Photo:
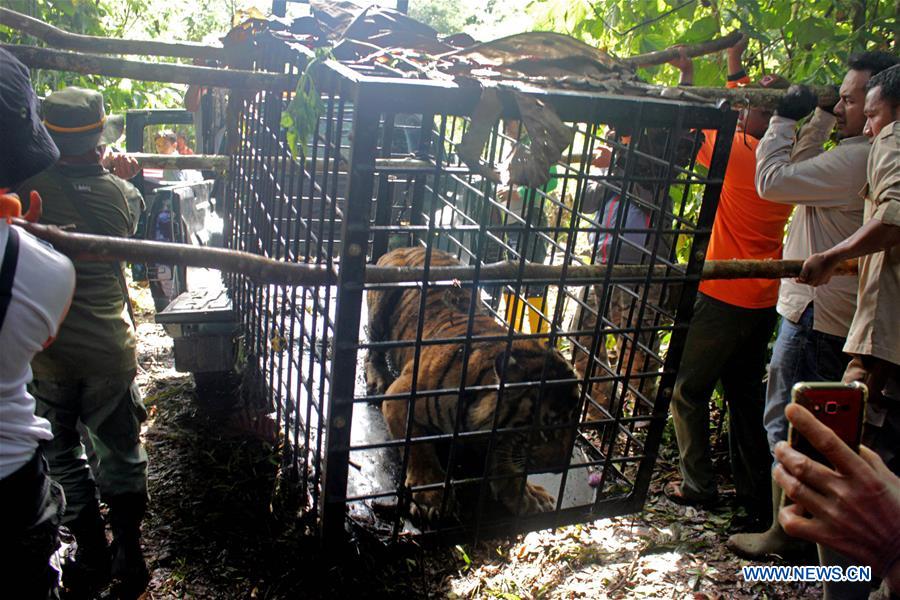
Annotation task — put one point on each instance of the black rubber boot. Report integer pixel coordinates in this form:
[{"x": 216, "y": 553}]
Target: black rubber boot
[
  {"x": 86, "y": 571},
  {"x": 129, "y": 570}
]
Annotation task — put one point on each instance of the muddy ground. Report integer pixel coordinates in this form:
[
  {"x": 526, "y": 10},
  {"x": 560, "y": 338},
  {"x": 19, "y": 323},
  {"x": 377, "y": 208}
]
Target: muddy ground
[{"x": 215, "y": 530}]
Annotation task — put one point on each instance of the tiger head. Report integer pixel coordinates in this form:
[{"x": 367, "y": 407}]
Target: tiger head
[{"x": 550, "y": 414}]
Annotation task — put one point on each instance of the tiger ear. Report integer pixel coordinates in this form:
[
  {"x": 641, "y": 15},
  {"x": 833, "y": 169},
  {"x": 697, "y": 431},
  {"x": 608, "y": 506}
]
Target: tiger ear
[
  {"x": 558, "y": 358},
  {"x": 512, "y": 366}
]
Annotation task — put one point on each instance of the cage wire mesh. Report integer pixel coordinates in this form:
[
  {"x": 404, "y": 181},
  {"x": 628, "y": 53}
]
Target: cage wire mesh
[{"x": 457, "y": 408}]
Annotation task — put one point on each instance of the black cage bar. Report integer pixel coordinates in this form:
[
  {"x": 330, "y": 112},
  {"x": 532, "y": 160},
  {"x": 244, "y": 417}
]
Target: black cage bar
[{"x": 437, "y": 408}]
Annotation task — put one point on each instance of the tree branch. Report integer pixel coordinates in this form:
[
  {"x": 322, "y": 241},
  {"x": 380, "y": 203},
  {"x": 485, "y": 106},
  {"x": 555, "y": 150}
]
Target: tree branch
[
  {"x": 691, "y": 50},
  {"x": 95, "y": 64},
  {"x": 88, "y": 43},
  {"x": 80, "y": 246}
]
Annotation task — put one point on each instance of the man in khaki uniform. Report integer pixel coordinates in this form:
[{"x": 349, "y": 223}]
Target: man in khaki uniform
[
  {"x": 88, "y": 374},
  {"x": 793, "y": 169},
  {"x": 873, "y": 341}
]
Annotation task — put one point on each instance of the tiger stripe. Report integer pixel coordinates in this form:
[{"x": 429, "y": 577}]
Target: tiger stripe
[{"x": 394, "y": 315}]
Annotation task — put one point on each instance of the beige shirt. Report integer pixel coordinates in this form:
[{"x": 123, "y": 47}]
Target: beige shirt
[
  {"x": 825, "y": 187},
  {"x": 876, "y": 325}
]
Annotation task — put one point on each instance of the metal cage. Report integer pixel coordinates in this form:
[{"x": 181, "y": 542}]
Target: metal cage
[{"x": 380, "y": 172}]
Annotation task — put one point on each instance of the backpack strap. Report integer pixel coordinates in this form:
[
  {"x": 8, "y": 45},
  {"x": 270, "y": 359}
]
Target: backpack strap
[{"x": 8, "y": 272}]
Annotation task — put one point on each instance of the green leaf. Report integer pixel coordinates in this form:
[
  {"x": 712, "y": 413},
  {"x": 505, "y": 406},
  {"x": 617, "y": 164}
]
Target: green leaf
[
  {"x": 810, "y": 31},
  {"x": 707, "y": 73},
  {"x": 464, "y": 555},
  {"x": 701, "y": 30},
  {"x": 301, "y": 116},
  {"x": 651, "y": 42}
]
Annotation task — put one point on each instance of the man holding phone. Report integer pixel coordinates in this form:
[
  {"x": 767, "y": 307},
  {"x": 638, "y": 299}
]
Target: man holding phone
[
  {"x": 873, "y": 342},
  {"x": 853, "y": 507}
]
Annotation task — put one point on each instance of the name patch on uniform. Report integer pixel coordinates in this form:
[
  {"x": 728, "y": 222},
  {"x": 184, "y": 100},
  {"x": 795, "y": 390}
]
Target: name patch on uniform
[{"x": 82, "y": 187}]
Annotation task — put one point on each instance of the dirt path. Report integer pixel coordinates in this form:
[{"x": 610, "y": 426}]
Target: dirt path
[{"x": 213, "y": 531}]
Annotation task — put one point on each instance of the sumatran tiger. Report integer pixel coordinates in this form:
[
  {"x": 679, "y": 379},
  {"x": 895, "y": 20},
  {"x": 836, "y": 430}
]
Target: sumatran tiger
[{"x": 550, "y": 413}]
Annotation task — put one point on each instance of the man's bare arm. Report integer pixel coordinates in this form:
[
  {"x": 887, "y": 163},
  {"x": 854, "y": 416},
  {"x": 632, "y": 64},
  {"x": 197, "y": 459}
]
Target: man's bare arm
[{"x": 874, "y": 236}]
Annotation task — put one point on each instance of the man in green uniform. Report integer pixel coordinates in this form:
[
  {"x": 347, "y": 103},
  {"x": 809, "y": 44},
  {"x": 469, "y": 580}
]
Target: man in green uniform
[{"x": 88, "y": 374}]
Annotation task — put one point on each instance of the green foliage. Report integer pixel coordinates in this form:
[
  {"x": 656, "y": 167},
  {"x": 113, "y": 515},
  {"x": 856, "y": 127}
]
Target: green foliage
[
  {"x": 445, "y": 17},
  {"x": 464, "y": 556},
  {"x": 483, "y": 19},
  {"x": 302, "y": 113},
  {"x": 803, "y": 41},
  {"x": 134, "y": 19}
]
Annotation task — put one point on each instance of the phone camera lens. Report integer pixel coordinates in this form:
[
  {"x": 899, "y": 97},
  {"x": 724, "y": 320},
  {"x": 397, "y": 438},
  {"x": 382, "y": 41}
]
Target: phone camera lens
[{"x": 831, "y": 408}]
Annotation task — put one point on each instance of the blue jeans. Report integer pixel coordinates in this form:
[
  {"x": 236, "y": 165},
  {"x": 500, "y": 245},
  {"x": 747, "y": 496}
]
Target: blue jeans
[{"x": 800, "y": 354}]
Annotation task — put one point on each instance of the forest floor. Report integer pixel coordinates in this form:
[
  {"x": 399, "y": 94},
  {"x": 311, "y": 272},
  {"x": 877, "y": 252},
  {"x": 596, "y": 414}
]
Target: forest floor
[{"x": 215, "y": 530}]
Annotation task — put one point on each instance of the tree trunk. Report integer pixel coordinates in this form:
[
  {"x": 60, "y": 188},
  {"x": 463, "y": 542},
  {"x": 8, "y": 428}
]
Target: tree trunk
[{"x": 858, "y": 14}]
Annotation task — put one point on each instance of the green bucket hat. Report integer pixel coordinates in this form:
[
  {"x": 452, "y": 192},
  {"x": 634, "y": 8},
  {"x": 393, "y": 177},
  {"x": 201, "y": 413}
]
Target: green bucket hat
[{"x": 77, "y": 121}]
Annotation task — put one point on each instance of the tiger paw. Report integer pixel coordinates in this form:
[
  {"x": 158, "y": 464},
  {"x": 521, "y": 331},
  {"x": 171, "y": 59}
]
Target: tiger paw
[
  {"x": 426, "y": 506},
  {"x": 376, "y": 384},
  {"x": 374, "y": 387},
  {"x": 536, "y": 499}
]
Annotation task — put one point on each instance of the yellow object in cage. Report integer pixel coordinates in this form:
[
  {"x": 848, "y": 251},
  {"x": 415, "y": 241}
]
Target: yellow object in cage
[{"x": 533, "y": 306}]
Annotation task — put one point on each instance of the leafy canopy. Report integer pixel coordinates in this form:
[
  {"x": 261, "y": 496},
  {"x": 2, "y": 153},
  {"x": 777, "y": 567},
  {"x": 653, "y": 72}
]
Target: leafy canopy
[
  {"x": 134, "y": 19},
  {"x": 806, "y": 41}
]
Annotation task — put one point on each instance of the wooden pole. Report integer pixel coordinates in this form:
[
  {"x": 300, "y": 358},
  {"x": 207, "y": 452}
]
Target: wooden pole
[
  {"x": 88, "y": 43},
  {"x": 95, "y": 64},
  {"x": 80, "y": 246},
  {"x": 101, "y": 248},
  {"x": 691, "y": 50},
  {"x": 751, "y": 96},
  {"x": 215, "y": 162},
  {"x": 509, "y": 270}
]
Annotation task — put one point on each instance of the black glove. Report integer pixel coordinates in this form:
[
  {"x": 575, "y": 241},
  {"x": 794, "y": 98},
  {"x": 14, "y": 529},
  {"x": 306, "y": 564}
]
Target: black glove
[
  {"x": 797, "y": 102},
  {"x": 829, "y": 101}
]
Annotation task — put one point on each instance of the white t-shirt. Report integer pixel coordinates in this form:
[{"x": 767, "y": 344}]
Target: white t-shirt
[{"x": 41, "y": 294}]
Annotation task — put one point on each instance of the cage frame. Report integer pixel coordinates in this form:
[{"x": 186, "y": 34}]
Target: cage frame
[{"x": 369, "y": 94}]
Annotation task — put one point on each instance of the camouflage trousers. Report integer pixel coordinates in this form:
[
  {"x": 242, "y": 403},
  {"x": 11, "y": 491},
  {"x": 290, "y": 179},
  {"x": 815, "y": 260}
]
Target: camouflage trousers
[
  {"x": 635, "y": 329},
  {"x": 111, "y": 410}
]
